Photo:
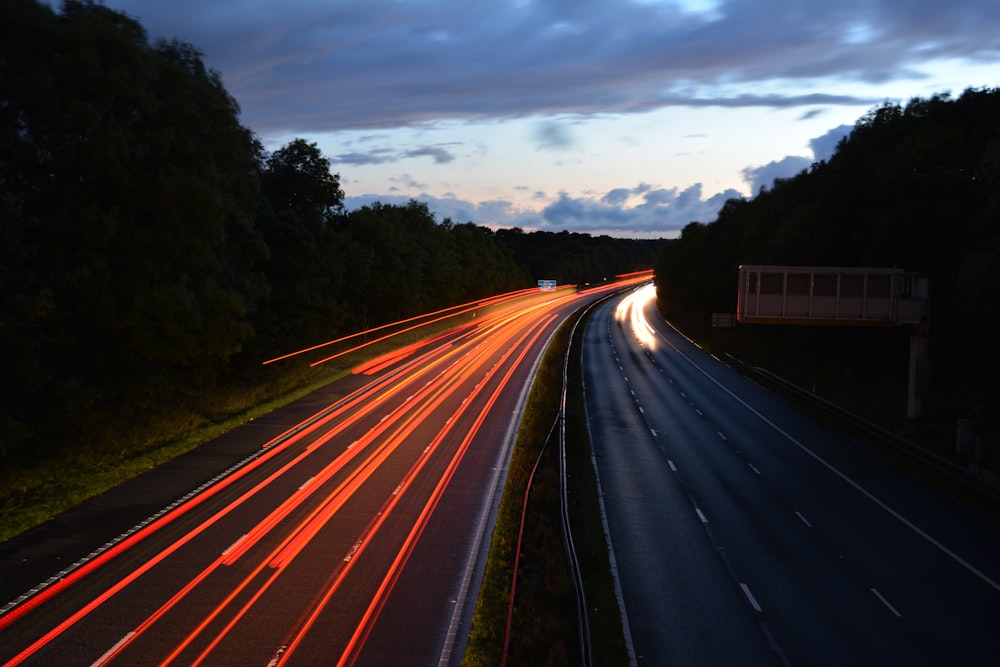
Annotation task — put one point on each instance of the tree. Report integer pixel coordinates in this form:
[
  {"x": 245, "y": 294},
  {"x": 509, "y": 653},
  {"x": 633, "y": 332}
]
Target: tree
[
  {"x": 297, "y": 180},
  {"x": 913, "y": 187},
  {"x": 298, "y": 214},
  {"x": 132, "y": 187}
]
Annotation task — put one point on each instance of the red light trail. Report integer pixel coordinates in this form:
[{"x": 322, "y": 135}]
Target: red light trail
[{"x": 364, "y": 476}]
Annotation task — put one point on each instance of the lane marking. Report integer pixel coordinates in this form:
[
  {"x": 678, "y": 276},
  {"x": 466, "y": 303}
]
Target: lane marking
[
  {"x": 114, "y": 649},
  {"x": 723, "y": 436},
  {"x": 803, "y": 519},
  {"x": 701, "y": 515},
  {"x": 886, "y": 603},
  {"x": 850, "y": 482},
  {"x": 750, "y": 597},
  {"x": 753, "y": 468},
  {"x": 671, "y": 464},
  {"x": 233, "y": 545}
]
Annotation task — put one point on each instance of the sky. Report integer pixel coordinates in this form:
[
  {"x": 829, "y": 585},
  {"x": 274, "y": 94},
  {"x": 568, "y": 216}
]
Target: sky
[{"x": 630, "y": 118}]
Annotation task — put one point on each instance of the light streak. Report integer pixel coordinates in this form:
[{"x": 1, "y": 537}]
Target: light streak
[
  {"x": 632, "y": 310},
  {"x": 364, "y": 627},
  {"x": 297, "y": 540},
  {"x": 460, "y": 309},
  {"x": 448, "y": 363}
]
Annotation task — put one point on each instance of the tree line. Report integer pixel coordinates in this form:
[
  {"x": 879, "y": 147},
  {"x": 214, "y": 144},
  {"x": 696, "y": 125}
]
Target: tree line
[
  {"x": 151, "y": 249},
  {"x": 914, "y": 186}
]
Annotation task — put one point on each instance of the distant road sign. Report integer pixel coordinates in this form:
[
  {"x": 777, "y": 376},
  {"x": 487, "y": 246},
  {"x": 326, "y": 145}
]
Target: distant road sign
[{"x": 546, "y": 285}]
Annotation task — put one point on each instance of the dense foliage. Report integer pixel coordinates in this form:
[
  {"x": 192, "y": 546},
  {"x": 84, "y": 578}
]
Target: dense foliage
[
  {"x": 576, "y": 258},
  {"x": 128, "y": 191},
  {"x": 915, "y": 187},
  {"x": 151, "y": 251}
]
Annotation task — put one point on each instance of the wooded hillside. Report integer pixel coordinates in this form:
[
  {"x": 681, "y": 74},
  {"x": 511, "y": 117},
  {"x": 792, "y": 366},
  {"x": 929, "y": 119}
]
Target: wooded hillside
[
  {"x": 915, "y": 187},
  {"x": 152, "y": 253}
]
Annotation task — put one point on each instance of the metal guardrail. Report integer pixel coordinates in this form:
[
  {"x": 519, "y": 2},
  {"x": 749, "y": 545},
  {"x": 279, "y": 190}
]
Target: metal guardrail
[
  {"x": 583, "y": 615},
  {"x": 583, "y": 618},
  {"x": 582, "y": 612},
  {"x": 520, "y": 538}
]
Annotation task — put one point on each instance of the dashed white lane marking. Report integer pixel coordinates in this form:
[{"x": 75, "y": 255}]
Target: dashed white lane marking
[
  {"x": 671, "y": 464},
  {"x": 886, "y": 603},
  {"x": 752, "y": 467},
  {"x": 803, "y": 519},
  {"x": 722, "y": 435},
  {"x": 838, "y": 473},
  {"x": 750, "y": 597},
  {"x": 701, "y": 515}
]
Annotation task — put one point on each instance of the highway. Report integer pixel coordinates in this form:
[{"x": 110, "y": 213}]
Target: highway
[
  {"x": 356, "y": 535},
  {"x": 745, "y": 533}
]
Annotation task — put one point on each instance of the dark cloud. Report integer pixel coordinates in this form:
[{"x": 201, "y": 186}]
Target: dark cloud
[
  {"x": 765, "y": 175},
  {"x": 617, "y": 197},
  {"x": 661, "y": 213},
  {"x": 374, "y": 156},
  {"x": 553, "y": 135},
  {"x": 301, "y": 67},
  {"x": 389, "y": 155},
  {"x": 310, "y": 66},
  {"x": 438, "y": 154},
  {"x": 822, "y": 147},
  {"x": 825, "y": 146}
]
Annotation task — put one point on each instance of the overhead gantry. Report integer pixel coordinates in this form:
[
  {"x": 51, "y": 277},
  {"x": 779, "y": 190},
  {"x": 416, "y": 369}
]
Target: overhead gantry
[{"x": 843, "y": 296}]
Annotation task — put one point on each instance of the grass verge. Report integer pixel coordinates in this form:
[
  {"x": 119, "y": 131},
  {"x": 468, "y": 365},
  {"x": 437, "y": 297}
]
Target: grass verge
[{"x": 113, "y": 448}]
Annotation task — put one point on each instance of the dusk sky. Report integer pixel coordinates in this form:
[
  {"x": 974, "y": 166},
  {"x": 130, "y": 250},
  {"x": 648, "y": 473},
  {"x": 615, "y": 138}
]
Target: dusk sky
[{"x": 623, "y": 117}]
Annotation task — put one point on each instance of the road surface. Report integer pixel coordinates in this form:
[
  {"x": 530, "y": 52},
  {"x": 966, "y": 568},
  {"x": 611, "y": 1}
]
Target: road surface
[
  {"x": 744, "y": 533},
  {"x": 353, "y": 534}
]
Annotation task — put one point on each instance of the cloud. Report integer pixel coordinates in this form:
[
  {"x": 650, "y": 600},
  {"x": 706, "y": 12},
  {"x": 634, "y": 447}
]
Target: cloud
[
  {"x": 376, "y": 156},
  {"x": 643, "y": 211},
  {"x": 765, "y": 175},
  {"x": 314, "y": 67},
  {"x": 553, "y": 135},
  {"x": 438, "y": 154},
  {"x": 617, "y": 197},
  {"x": 490, "y": 213},
  {"x": 309, "y": 66},
  {"x": 812, "y": 113},
  {"x": 407, "y": 182},
  {"x": 662, "y": 212},
  {"x": 822, "y": 147}
]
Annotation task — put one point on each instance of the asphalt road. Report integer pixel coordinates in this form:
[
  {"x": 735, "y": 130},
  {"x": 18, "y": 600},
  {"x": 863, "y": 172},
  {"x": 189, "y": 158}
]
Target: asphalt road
[
  {"x": 349, "y": 528},
  {"x": 744, "y": 533}
]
